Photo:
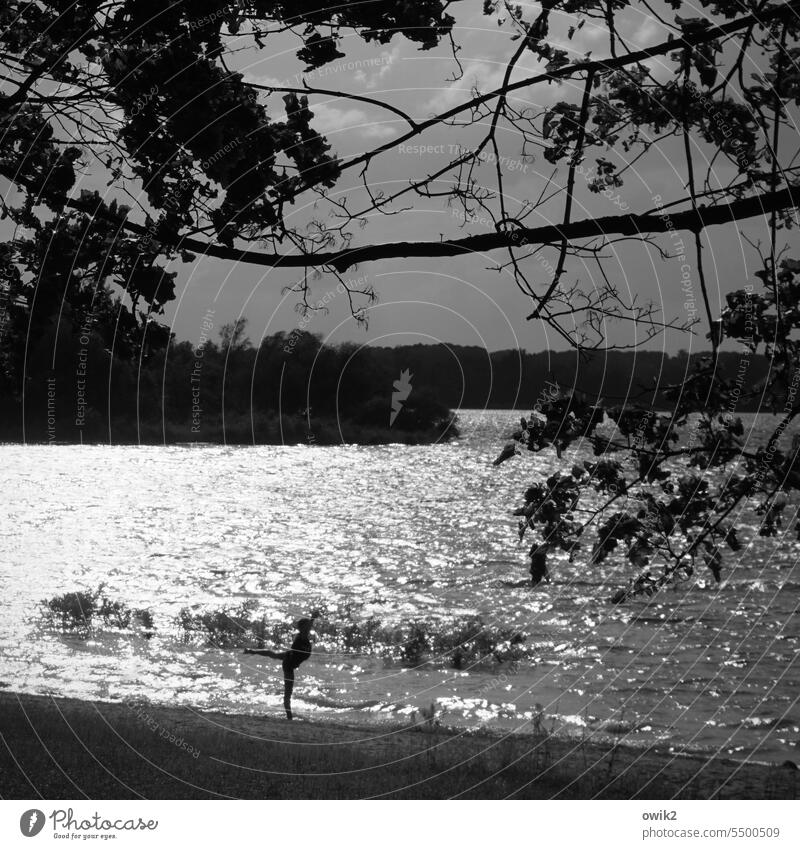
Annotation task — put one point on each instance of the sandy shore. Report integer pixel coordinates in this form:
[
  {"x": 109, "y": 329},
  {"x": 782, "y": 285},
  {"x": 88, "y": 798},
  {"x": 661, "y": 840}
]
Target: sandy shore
[{"x": 65, "y": 748}]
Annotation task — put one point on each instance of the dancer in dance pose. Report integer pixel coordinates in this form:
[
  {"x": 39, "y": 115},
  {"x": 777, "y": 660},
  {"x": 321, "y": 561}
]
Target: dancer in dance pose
[{"x": 290, "y": 660}]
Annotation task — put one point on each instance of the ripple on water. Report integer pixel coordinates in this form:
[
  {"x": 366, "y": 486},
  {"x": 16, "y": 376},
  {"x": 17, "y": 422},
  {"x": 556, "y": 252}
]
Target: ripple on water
[{"x": 401, "y": 533}]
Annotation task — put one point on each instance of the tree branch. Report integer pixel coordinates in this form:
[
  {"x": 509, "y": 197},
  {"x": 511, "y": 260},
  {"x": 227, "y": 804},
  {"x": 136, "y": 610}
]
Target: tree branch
[
  {"x": 693, "y": 220},
  {"x": 792, "y": 7},
  {"x": 573, "y": 164}
]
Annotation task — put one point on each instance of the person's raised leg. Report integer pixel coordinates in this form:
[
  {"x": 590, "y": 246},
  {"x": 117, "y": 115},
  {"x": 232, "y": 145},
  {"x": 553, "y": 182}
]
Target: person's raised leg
[{"x": 275, "y": 655}]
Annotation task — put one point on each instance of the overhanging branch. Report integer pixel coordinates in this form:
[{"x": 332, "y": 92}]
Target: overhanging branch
[
  {"x": 693, "y": 220},
  {"x": 611, "y": 225}
]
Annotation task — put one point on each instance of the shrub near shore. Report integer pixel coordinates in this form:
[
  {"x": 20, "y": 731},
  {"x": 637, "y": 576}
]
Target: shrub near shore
[{"x": 456, "y": 643}]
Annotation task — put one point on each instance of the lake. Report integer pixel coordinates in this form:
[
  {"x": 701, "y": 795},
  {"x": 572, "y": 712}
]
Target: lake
[{"x": 402, "y": 533}]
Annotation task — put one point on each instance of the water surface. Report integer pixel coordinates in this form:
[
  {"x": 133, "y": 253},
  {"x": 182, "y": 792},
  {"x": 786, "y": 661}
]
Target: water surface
[{"x": 401, "y": 533}]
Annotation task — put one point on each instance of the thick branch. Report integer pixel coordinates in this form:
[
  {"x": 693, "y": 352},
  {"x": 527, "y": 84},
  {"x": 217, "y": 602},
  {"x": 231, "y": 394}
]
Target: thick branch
[
  {"x": 704, "y": 216},
  {"x": 631, "y": 225}
]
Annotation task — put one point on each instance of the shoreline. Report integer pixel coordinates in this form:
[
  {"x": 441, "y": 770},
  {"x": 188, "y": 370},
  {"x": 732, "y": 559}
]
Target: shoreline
[{"x": 63, "y": 748}]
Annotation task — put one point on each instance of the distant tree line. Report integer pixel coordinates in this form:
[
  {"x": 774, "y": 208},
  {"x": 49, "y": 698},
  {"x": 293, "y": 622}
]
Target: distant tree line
[
  {"x": 77, "y": 387},
  {"x": 472, "y": 378},
  {"x": 292, "y": 388}
]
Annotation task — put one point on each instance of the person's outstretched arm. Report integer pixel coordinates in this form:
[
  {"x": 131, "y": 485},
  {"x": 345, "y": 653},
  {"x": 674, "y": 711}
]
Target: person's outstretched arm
[{"x": 276, "y": 655}]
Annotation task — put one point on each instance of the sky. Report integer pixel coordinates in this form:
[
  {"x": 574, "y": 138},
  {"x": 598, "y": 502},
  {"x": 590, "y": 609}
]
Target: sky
[{"x": 463, "y": 300}]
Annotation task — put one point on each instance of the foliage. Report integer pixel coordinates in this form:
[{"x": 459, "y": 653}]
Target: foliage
[
  {"x": 78, "y": 610},
  {"x": 191, "y": 153},
  {"x": 650, "y": 492},
  {"x": 228, "y": 626},
  {"x": 460, "y": 643},
  {"x": 148, "y": 100}
]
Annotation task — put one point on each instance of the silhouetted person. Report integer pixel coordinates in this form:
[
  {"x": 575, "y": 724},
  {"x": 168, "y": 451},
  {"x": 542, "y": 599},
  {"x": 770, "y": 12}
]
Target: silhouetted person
[{"x": 290, "y": 660}]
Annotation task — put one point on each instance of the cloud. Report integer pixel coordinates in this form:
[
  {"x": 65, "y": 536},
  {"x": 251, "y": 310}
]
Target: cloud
[
  {"x": 650, "y": 32},
  {"x": 478, "y": 74},
  {"x": 333, "y": 120},
  {"x": 370, "y": 78}
]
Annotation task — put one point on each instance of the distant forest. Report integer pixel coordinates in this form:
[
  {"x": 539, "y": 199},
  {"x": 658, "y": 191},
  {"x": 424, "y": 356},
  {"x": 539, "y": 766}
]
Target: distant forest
[
  {"x": 470, "y": 377},
  {"x": 291, "y": 388}
]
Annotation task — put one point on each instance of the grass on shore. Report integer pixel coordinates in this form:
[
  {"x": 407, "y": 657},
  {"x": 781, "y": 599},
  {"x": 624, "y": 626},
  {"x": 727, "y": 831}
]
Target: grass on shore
[{"x": 66, "y": 749}]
